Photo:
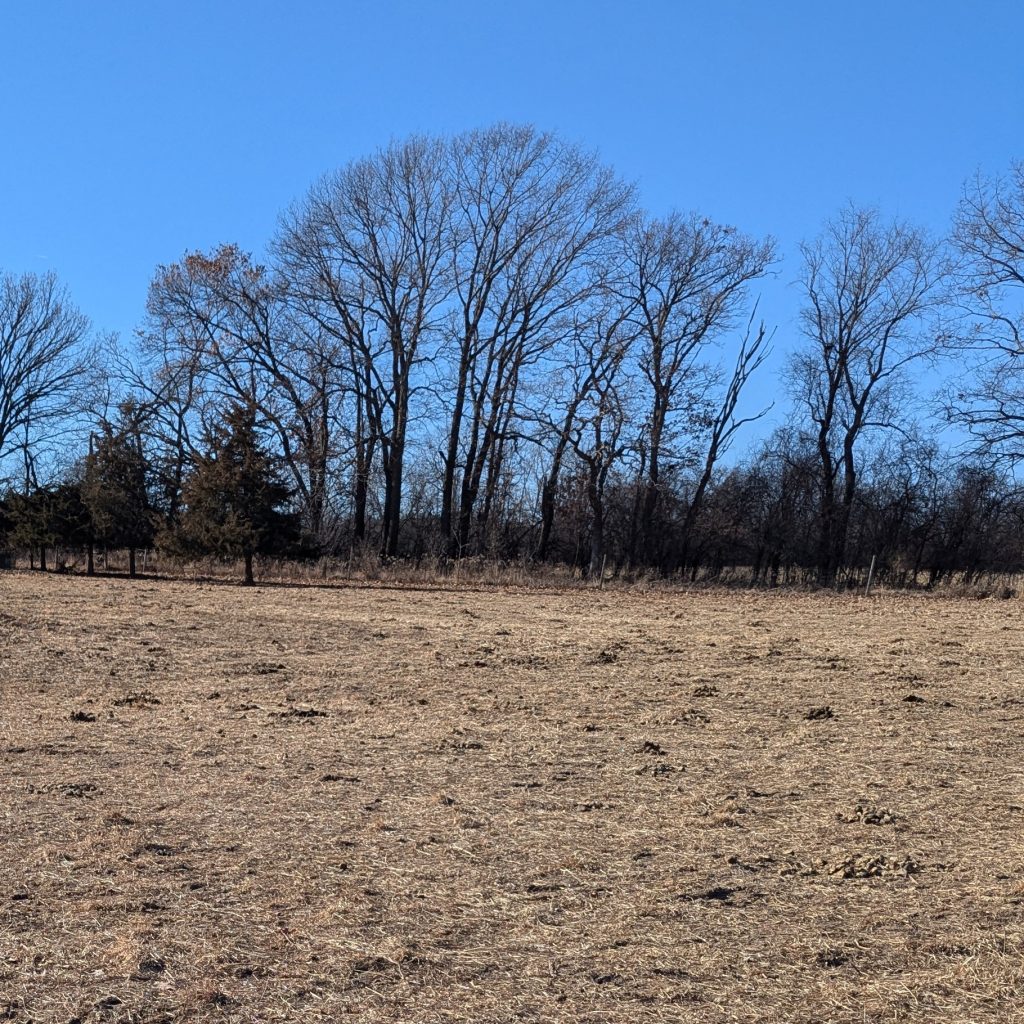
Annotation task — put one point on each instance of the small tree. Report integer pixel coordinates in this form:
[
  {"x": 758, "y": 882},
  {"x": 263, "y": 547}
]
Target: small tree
[
  {"x": 115, "y": 488},
  {"x": 6, "y": 528},
  {"x": 235, "y": 502},
  {"x": 6, "y": 524},
  {"x": 70, "y": 524},
  {"x": 30, "y": 518}
]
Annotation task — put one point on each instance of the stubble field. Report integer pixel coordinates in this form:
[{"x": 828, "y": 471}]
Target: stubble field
[{"x": 303, "y": 804}]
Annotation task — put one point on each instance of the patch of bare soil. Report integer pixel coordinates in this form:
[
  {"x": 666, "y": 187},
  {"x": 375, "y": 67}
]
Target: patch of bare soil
[{"x": 292, "y": 804}]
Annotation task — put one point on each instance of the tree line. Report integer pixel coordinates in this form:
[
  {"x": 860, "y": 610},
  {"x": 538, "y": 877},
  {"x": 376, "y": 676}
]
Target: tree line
[{"x": 482, "y": 345}]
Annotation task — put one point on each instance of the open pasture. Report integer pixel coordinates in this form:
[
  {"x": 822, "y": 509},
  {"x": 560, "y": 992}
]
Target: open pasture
[{"x": 303, "y": 804}]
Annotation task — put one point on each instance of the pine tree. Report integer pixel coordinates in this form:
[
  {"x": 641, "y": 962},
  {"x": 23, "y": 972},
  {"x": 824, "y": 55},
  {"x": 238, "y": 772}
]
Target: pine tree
[
  {"x": 69, "y": 521},
  {"x": 30, "y": 519},
  {"x": 6, "y": 523},
  {"x": 115, "y": 488},
  {"x": 235, "y": 503},
  {"x": 6, "y": 529}
]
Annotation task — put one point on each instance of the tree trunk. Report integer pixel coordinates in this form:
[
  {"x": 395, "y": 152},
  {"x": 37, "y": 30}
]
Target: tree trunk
[
  {"x": 394, "y": 464},
  {"x": 652, "y": 492},
  {"x": 647, "y": 507},
  {"x": 392, "y": 503},
  {"x": 249, "y": 580},
  {"x": 550, "y": 489},
  {"x": 636, "y": 518},
  {"x": 492, "y": 485},
  {"x": 451, "y": 458},
  {"x": 841, "y": 525},
  {"x": 364, "y": 421},
  {"x": 131, "y": 563},
  {"x": 90, "y": 560},
  {"x": 359, "y": 502},
  {"x": 547, "y": 515},
  {"x": 361, "y": 484},
  {"x": 596, "y": 497},
  {"x": 42, "y": 558},
  {"x": 596, "y": 547},
  {"x": 827, "y": 514},
  {"x": 470, "y": 485}
]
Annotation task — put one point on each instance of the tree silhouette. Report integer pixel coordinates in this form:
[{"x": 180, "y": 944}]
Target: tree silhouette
[
  {"x": 236, "y": 504},
  {"x": 115, "y": 488}
]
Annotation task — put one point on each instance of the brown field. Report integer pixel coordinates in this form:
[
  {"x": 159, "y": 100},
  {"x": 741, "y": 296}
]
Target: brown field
[{"x": 292, "y": 804}]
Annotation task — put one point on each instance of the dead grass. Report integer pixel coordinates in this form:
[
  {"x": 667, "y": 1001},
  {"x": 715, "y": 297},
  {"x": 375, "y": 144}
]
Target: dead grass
[{"x": 291, "y": 804}]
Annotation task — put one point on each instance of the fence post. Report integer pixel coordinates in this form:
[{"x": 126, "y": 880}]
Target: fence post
[{"x": 871, "y": 573}]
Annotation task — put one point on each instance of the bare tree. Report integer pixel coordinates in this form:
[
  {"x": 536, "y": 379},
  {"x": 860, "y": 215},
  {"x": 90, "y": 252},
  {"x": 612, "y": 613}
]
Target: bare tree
[
  {"x": 565, "y": 392},
  {"x": 370, "y": 248},
  {"x": 598, "y": 410},
  {"x": 45, "y": 361},
  {"x": 724, "y": 423},
  {"x": 688, "y": 279},
  {"x": 989, "y": 235},
  {"x": 531, "y": 215},
  {"x": 336, "y": 304},
  {"x": 868, "y": 286}
]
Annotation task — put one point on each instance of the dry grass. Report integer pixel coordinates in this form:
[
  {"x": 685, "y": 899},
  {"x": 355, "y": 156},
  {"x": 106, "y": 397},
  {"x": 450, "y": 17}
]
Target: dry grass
[{"x": 292, "y": 804}]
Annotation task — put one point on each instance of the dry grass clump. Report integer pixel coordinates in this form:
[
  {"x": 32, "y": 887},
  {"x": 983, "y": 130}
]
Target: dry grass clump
[{"x": 292, "y": 804}]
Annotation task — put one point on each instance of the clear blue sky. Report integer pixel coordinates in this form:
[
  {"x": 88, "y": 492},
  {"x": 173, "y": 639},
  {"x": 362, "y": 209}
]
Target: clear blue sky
[{"x": 130, "y": 132}]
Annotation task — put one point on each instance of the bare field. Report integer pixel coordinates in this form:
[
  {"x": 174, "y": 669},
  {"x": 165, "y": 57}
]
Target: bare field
[{"x": 290, "y": 804}]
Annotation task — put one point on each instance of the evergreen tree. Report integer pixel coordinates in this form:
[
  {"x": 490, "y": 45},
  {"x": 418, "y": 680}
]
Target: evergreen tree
[
  {"x": 6, "y": 527},
  {"x": 47, "y": 517},
  {"x": 30, "y": 516},
  {"x": 6, "y": 522},
  {"x": 115, "y": 488},
  {"x": 235, "y": 503},
  {"x": 70, "y": 525}
]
